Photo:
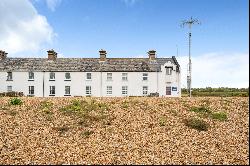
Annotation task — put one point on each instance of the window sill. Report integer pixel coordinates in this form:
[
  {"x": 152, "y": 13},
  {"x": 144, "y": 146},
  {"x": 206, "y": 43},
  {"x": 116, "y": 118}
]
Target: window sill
[
  {"x": 52, "y": 80},
  {"x": 51, "y": 95},
  {"x": 31, "y": 80},
  {"x": 88, "y": 79},
  {"x": 30, "y": 95},
  {"x": 67, "y": 95},
  {"x": 67, "y": 80},
  {"x": 9, "y": 80}
]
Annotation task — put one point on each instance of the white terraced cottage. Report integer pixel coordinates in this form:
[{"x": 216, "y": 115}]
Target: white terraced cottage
[{"x": 109, "y": 77}]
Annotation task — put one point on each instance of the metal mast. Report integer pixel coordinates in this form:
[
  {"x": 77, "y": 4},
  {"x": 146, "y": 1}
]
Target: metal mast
[{"x": 189, "y": 23}]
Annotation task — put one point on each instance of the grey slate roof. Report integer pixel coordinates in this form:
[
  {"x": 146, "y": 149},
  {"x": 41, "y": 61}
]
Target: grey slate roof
[{"x": 84, "y": 64}]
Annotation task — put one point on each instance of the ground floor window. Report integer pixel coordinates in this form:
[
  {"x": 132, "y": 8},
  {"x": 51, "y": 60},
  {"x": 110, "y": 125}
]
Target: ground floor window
[
  {"x": 144, "y": 90},
  {"x": 9, "y": 88},
  {"x": 88, "y": 90},
  {"x": 52, "y": 90},
  {"x": 124, "y": 90},
  {"x": 109, "y": 90},
  {"x": 31, "y": 90},
  {"x": 67, "y": 91}
]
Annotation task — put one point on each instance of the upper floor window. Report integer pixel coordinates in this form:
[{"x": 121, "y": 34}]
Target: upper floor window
[
  {"x": 31, "y": 90},
  {"x": 109, "y": 76},
  {"x": 124, "y": 76},
  {"x": 9, "y": 76},
  {"x": 31, "y": 75},
  {"x": 145, "y": 76},
  {"x": 52, "y": 76},
  {"x": 67, "y": 91},
  {"x": 88, "y": 76},
  {"x": 67, "y": 77},
  {"x": 52, "y": 90},
  {"x": 109, "y": 90},
  {"x": 124, "y": 90},
  {"x": 88, "y": 90},
  {"x": 9, "y": 88},
  {"x": 169, "y": 70},
  {"x": 144, "y": 90}
]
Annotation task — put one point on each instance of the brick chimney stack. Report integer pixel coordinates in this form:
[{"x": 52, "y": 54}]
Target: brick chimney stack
[
  {"x": 3, "y": 55},
  {"x": 52, "y": 55},
  {"x": 103, "y": 54},
  {"x": 151, "y": 54}
]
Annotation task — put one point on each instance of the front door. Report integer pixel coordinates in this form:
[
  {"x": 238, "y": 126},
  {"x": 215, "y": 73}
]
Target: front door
[{"x": 168, "y": 90}]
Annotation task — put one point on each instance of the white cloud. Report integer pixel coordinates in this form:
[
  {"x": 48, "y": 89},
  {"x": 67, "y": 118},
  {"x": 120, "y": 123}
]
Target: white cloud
[
  {"x": 52, "y": 4},
  {"x": 22, "y": 28},
  {"x": 217, "y": 70}
]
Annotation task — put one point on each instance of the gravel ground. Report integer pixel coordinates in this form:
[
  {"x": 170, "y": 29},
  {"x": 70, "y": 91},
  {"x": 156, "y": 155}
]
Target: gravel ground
[{"x": 130, "y": 130}]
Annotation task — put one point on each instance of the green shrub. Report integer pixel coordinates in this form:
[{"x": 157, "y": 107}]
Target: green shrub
[
  {"x": 222, "y": 116},
  {"x": 15, "y": 101},
  {"x": 201, "y": 109},
  {"x": 197, "y": 124},
  {"x": 46, "y": 104}
]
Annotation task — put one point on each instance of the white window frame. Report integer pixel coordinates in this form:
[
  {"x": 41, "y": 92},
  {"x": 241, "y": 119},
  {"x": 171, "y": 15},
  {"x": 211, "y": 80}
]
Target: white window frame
[
  {"x": 9, "y": 76},
  {"x": 87, "y": 76},
  {"x": 109, "y": 76},
  {"x": 67, "y": 91},
  {"x": 51, "y": 90},
  {"x": 88, "y": 90},
  {"x": 124, "y": 90},
  {"x": 31, "y": 75},
  {"x": 53, "y": 74},
  {"x": 145, "y": 90},
  {"x": 9, "y": 88},
  {"x": 109, "y": 90},
  {"x": 124, "y": 76},
  {"x": 144, "y": 76},
  {"x": 69, "y": 78},
  {"x": 30, "y": 90}
]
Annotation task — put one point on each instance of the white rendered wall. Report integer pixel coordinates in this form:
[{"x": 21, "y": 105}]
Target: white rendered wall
[{"x": 157, "y": 82}]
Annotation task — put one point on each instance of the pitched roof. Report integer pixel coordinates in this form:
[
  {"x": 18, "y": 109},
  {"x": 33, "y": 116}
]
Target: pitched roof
[{"x": 84, "y": 64}]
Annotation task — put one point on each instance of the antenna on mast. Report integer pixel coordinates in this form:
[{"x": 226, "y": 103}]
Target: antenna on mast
[{"x": 189, "y": 23}]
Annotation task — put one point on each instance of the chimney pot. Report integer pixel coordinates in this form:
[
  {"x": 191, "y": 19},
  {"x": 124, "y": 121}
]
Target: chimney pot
[
  {"x": 103, "y": 54},
  {"x": 52, "y": 55},
  {"x": 151, "y": 54},
  {"x": 3, "y": 55}
]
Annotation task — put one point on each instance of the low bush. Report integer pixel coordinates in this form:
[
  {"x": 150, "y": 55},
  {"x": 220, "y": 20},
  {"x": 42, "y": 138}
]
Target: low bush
[
  {"x": 197, "y": 124},
  {"x": 15, "y": 101},
  {"x": 221, "y": 116}
]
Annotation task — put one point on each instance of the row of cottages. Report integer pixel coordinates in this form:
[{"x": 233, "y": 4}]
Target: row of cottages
[{"x": 110, "y": 77}]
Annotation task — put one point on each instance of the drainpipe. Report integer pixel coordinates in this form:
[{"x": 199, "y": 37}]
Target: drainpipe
[
  {"x": 157, "y": 81},
  {"x": 43, "y": 82},
  {"x": 101, "y": 83}
]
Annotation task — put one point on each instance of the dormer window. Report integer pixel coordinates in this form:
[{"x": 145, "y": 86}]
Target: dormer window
[
  {"x": 52, "y": 76},
  {"x": 9, "y": 76},
  {"x": 31, "y": 75},
  {"x": 169, "y": 70}
]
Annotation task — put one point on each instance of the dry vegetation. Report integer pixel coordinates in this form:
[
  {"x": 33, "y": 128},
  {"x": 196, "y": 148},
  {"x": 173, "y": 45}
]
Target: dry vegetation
[{"x": 211, "y": 130}]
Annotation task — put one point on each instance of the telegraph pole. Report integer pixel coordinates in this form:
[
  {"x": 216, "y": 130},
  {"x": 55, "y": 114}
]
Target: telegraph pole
[{"x": 189, "y": 23}]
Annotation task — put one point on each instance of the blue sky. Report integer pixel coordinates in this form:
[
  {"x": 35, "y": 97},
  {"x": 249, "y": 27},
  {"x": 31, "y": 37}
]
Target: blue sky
[{"x": 129, "y": 28}]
